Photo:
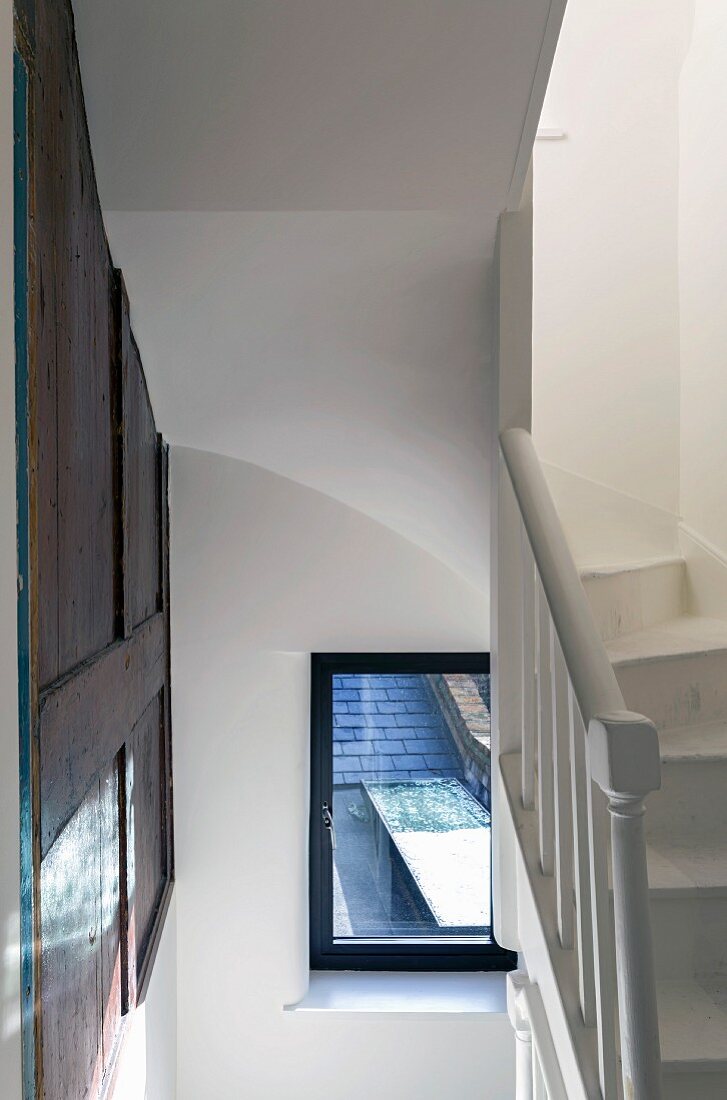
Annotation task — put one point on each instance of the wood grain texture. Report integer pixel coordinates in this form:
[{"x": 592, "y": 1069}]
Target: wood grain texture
[
  {"x": 142, "y": 487},
  {"x": 103, "y": 860},
  {"x": 88, "y": 716},
  {"x": 150, "y": 857}
]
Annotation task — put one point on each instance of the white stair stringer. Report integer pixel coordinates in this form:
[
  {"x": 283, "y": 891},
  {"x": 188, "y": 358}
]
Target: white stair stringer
[{"x": 548, "y": 964}]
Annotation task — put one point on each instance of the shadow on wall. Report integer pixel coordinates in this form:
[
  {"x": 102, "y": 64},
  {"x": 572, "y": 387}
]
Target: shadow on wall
[{"x": 277, "y": 566}]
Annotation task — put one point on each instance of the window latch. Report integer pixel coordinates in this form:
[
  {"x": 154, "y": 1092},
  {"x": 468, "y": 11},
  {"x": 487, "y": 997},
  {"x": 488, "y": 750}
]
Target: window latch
[{"x": 327, "y": 816}]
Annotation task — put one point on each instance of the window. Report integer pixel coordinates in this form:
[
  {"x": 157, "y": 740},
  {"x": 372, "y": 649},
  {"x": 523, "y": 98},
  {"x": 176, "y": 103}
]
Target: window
[{"x": 400, "y": 813}]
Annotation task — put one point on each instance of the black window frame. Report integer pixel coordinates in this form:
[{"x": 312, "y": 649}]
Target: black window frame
[{"x": 325, "y": 953}]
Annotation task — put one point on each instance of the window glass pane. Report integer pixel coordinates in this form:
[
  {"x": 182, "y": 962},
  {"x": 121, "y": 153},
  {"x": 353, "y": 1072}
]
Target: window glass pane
[{"x": 411, "y": 799}]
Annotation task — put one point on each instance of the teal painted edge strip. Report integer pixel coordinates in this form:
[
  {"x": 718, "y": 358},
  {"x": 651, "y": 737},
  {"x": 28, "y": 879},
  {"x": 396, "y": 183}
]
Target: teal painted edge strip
[{"x": 20, "y": 210}]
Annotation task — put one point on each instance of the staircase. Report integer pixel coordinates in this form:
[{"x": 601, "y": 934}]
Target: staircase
[{"x": 672, "y": 667}]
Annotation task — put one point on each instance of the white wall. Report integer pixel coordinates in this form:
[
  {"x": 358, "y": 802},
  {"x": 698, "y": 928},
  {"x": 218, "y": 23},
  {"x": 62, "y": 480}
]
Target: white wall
[
  {"x": 703, "y": 275},
  {"x": 606, "y": 307},
  {"x": 10, "y": 1071},
  {"x": 264, "y": 571},
  {"x": 346, "y": 349}
]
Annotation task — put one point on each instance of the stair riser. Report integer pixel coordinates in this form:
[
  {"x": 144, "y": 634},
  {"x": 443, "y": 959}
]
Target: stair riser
[
  {"x": 677, "y": 691},
  {"x": 695, "y": 1086},
  {"x": 691, "y": 805},
  {"x": 689, "y": 937},
  {"x": 637, "y": 598}
]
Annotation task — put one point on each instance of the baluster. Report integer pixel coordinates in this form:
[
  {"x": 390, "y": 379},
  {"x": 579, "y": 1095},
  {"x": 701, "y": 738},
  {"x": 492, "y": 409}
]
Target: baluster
[
  {"x": 563, "y": 805},
  {"x": 517, "y": 1009},
  {"x": 528, "y": 673},
  {"x": 539, "y": 1090},
  {"x": 546, "y": 810},
  {"x": 581, "y": 867},
  {"x": 604, "y": 955}
]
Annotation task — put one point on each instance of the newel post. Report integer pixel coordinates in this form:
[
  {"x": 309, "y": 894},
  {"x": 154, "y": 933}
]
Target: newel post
[{"x": 625, "y": 763}]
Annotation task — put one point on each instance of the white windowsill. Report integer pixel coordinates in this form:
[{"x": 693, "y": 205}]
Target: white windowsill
[{"x": 354, "y": 991}]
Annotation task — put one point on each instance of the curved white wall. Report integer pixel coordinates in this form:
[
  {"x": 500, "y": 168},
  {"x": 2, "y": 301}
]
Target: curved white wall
[
  {"x": 606, "y": 305},
  {"x": 264, "y": 571},
  {"x": 348, "y": 350},
  {"x": 703, "y": 275}
]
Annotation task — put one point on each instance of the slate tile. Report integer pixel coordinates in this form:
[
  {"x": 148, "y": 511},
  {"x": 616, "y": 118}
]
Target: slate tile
[
  {"x": 343, "y": 733},
  {"x": 441, "y": 761},
  {"x": 427, "y": 745},
  {"x": 389, "y": 748},
  {"x": 418, "y": 720},
  {"x": 403, "y": 695},
  {"x": 409, "y": 762}
]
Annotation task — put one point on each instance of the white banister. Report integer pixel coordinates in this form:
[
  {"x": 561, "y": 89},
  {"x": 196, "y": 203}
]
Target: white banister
[
  {"x": 564, "y": 884},
  {"x": 587, "y": 764},
  {"x": 584, "y": 922},
  {"x": 528, "y": 674},
  {"x": 546, "y": 808}
]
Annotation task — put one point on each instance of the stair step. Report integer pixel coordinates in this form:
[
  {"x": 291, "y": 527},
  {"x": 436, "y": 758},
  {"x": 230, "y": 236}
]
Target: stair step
[
  {"x": 691, "y": 803},
  {"x": 674, "y": 673},
  {"x": 633, "y": 597},
  {"x": 693, "y": 1032},
  {"x": 694, "y": 744},
  {"x": 676, "y": 867},
  {"x": 688, "y": 904}
]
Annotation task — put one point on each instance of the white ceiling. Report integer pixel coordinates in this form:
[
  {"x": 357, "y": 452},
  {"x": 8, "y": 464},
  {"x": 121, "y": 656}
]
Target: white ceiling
[
  {"x": 307, "y": 104},
  {"x": 303, "y": 195}
]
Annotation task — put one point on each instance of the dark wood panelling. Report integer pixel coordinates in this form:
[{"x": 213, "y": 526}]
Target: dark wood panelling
[
  {"x": 142, "y": 487},
  {"x": 111, "y": 1003},
  {"x": 150, "y": 857},
  {"x": 85, "y": 720},
  {"x": 81, "y": 933},
  {"x": 45, "y": 173},
  {"x": 98, "y": 579},
  {"x": 71, "y": 958}
]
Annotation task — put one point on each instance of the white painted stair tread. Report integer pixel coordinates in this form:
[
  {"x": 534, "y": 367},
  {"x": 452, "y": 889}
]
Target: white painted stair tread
[
  {"x": 687, "y": 635},
  {"x": 687, "y": 870},
  {"x": 695, "y": 744},
  {"x": 589, "y": 572},
  {"x": 693, "y": 1025}
]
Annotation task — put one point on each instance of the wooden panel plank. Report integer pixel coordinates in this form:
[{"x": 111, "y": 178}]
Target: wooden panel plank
[
  {"x": 141, "y": 479},
  {"x": 71, "y": 958},
  {"x": 85, "y": 447},
  {"x": 102, "y": 546},
  {"x": 149, "y": 842},
  {"x": 86, "y": 718},
  {"x": 45, "y": 157},
  {"x": 166, "y": 606},
  {"x": 111, "y": 962},
  {"x": 122, "y": 342}
]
